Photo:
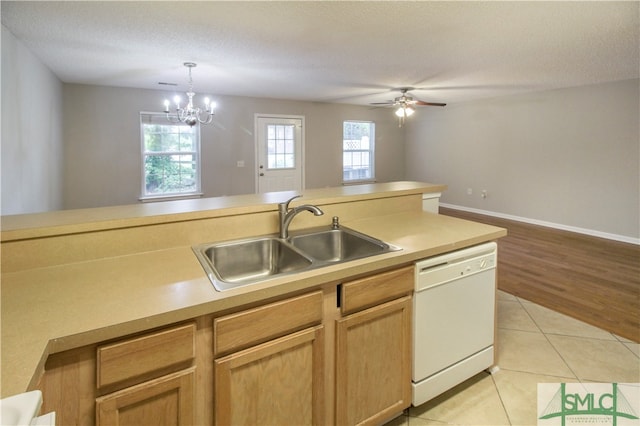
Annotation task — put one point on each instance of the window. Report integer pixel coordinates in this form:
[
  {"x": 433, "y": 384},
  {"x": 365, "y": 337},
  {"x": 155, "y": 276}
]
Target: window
[
  {"x": 357, "y": 151},
  {"x": 170, "y": 157},
  {"x": 280, "y": 146}
]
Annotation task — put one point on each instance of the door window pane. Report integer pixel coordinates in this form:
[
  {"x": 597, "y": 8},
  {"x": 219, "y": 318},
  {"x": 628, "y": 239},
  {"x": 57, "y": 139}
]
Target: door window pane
[{"x": 280, "y": 146}]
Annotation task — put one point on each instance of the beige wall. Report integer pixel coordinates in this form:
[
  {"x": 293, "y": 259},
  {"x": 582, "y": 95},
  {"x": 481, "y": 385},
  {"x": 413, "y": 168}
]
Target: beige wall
[
  {"x": 102, "y": 142},
  {"x": 568, "y": 156},
  {"x": 31, "y": 149}
]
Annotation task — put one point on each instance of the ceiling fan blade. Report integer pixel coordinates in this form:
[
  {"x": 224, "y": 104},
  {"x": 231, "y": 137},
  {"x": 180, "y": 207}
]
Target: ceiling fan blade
[
  {"x": 382, "y": 103},
  {"x": 429, "y": 103}
]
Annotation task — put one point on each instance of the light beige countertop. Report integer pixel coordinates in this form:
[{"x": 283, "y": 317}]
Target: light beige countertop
[
  {"x": 16, "y": 227},
  {"x": 47, "y": 310}
]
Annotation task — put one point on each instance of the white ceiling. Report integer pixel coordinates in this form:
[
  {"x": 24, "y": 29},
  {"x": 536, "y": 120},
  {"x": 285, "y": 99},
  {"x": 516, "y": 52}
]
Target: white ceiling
[{"x": 334, "y": 51}]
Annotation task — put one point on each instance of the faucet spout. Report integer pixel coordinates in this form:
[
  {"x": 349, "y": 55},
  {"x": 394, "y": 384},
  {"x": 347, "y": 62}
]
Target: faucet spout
[{"x": 286, "y": 214}]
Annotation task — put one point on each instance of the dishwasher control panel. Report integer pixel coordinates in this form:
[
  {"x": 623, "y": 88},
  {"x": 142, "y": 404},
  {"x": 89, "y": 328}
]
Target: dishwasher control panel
[{"x": 442, "y": 269}]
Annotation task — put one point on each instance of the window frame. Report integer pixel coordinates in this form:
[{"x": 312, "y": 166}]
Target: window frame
[
  {"x": 370, "y": 151},
  {"x": 146, "y": 197}
]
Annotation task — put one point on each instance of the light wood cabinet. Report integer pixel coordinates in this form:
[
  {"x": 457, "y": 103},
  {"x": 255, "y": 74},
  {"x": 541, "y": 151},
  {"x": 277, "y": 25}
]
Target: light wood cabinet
[
  {"x": 144, "y": 379},
  {"x": 258, "y": 325},
  {"x": 143, "y": 370},
  {"x": 167, "y": 401},
  {"x": 338, "y": 355},
  {"x": 274, "y": 374},
  {"x": 146, "y": 356},
  {"x": 373, "y": 349},
  {"x": 276, "y": 383}
]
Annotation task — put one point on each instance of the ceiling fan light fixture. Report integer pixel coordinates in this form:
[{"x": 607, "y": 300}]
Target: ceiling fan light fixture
[
  {"x": 404, "y": 111},
  {"x": 405, "y": 105},
  {"x": 190, "y": 114}
]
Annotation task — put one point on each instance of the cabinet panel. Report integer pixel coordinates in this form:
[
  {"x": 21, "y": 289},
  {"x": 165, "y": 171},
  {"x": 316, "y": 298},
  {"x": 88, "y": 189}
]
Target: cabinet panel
[
  {"x": 143, "y": 355},
  {"x": 68, "y": 386},
  {"x": 167, "y": 401},
  {"x": 253, "y": 326},
  {"x": 373, "y": 290},
  {"x": 373, "y": 363},
  {"x": 279, "y": 382}
]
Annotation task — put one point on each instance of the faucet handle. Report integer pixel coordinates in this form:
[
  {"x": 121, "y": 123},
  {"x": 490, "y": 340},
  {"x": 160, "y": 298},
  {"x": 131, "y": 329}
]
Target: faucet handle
[{"x": 286, "y": 203}]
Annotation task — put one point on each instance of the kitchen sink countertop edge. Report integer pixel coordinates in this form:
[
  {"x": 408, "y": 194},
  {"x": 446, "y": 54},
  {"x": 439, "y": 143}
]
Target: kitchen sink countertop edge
[{"x": 53, "y": 309}]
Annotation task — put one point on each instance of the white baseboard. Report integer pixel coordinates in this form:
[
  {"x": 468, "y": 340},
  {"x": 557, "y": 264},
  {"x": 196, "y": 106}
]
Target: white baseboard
[{"x": 600, "y": 234}]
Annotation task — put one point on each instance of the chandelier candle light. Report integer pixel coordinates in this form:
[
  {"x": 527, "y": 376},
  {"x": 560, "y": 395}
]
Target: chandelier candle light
[{"x": 188, "y": 114}]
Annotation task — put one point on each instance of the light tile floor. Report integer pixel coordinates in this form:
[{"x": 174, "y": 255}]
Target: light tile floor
[{"x": 535, "y": 345}]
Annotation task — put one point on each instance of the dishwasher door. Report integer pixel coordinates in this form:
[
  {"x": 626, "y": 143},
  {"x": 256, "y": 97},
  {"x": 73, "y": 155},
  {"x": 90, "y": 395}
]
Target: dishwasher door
[{"x": 454, "y": 309}]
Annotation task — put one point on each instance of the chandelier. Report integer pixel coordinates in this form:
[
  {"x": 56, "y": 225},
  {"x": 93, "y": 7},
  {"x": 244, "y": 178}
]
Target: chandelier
[{"x": 189, "y": 114}]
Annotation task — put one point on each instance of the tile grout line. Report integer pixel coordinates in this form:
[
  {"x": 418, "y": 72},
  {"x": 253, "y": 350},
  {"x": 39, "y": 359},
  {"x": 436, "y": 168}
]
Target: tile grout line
[
  {"x": 614, "y": 338},
  {"x": 539, "y": 331},
  {"x": 625, "y": 344},
  {"x": 530, "y": 316},
  {"x": 550, "y": 342},
  {"x": 504, "y": 407}
]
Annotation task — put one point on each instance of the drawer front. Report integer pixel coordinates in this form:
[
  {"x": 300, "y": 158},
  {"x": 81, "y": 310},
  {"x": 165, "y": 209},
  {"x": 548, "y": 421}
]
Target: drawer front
[
  {"x": 247, "y": 328},
  {"x": 143, "y": 355},
  {"x": 370, "y": 291}
]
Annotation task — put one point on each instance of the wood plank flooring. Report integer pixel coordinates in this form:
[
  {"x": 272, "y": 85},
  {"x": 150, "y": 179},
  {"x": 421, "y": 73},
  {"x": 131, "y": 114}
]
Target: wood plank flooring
[{"x": 591, "y": 279}]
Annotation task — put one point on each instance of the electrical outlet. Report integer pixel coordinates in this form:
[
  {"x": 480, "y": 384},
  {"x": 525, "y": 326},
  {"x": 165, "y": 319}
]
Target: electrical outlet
[
  {"x": 484, "y": 193},
  {"x": 240, "y": 163},
  {"x": 469, "y": 191}
]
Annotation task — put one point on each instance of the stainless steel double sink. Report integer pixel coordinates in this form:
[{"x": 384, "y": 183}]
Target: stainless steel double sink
[{"x": 238, "y": 263}]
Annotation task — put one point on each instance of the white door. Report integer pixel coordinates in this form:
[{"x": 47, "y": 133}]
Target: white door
[{"x": 279, "y": 148}]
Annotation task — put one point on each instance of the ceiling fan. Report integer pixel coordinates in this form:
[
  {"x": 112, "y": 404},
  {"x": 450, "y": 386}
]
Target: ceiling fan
[{"x": 406, "y": 103}]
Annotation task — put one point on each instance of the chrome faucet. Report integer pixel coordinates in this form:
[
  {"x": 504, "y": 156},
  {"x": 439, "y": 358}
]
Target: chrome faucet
[{"x": 286, "y": 214}]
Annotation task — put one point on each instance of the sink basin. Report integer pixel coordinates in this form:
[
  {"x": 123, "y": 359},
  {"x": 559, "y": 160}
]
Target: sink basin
[
  {"x": 243, "y": 262},
  {"x": 338, "y": 245}
]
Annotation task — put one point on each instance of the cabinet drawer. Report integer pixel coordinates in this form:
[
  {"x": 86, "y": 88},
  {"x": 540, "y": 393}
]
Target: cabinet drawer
[
  {"x": 253, "y": 326},
  {"x": 143, "y": 355},
  {"x": 370, "y": 291}
]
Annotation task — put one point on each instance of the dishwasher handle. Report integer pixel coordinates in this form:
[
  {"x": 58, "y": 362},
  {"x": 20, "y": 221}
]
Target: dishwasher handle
[{"x": 426, "y": 269}]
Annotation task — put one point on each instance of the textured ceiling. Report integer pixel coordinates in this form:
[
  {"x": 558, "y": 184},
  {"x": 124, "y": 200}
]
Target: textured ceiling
[{"x": 334, "y": 51}]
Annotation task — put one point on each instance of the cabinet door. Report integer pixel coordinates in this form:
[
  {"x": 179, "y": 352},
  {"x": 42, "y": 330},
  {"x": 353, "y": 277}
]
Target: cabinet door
[
  {"x": 276, "y": 383},
  {"x": 161, "y": 402},
  {"x": 373, "y": 363}
]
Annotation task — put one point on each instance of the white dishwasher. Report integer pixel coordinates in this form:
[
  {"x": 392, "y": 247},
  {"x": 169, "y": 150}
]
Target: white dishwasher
[{"x": 454, "y": 316}]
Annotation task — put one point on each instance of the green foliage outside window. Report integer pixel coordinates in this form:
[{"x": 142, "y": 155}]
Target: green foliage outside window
[{"x": 170, "y": 159}]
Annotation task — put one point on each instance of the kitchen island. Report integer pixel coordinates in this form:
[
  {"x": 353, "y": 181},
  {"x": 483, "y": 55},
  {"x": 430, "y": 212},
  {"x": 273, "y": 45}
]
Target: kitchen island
[{"x": 73, "y": 279}]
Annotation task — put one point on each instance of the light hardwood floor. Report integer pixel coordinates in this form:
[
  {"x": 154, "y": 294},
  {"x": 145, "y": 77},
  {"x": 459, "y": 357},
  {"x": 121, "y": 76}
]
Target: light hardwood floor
[{"x": 591, "y": 279}]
